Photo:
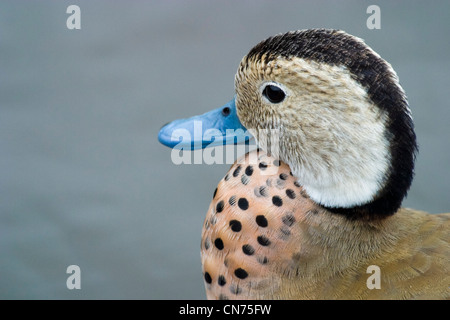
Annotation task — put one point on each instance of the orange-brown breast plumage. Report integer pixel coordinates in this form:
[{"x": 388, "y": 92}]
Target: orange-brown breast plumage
[
  {"x": 250, "y": 230},
  {"x": 264, "y": 238}
]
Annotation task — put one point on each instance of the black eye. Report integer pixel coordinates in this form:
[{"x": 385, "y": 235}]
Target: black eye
[
  {"x": 226, "y": 111},
  {"x": 273, "y": 93}
]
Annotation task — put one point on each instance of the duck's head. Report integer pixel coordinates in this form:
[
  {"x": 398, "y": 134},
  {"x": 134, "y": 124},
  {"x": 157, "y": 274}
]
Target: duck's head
[{"x": 326, "y": 104}]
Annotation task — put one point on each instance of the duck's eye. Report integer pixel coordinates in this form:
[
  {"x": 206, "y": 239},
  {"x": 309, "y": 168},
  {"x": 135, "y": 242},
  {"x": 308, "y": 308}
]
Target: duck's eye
[
  {"x": 273, "y": 93},
  {"x": 226, "y": 111}
]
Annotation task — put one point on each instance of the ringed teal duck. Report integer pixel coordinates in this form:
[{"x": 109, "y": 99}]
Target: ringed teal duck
[{"x": 319, "y": 203}]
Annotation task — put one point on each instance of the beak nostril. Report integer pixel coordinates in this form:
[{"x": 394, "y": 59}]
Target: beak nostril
[{"x": 226, "y": 111}]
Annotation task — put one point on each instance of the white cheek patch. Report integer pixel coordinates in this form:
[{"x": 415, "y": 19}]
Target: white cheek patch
[
  {"x": 354, "y": 169},
  {"x": 351, "y": 181},
  {"x": 355, "y": 187},
  {"x": 355, "y": 174}
]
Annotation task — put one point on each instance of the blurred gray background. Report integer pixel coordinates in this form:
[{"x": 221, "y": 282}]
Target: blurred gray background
[{"x": 83, "y": 179}]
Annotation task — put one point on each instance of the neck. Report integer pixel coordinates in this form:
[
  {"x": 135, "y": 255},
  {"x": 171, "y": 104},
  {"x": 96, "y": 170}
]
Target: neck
[
  {"x": 372, "y": 190},
  {"x": 384, "y": 204}
]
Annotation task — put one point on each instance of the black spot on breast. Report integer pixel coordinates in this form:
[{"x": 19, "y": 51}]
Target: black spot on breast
[
  {"x": 245, "y": 179},
  {"x": 221, "y": 281},
  {"x": 262, "y": 260},
  {"x": 276, "y": 200},
  {"x": 232, "y": 200},
  {"x": 263, "y": 191},
  {"x": 281, "y": 184},
  {"x": 288, "y": 220},
  {"x": 261, "y": 221},
  {"x": 236, "y": 171},
  {"x": 285, "y": 232},
  {"x": 297, "y": 184},
  {"x": 248, "y": 249},
  {"x": 240, "y": 273},
  {"x": 263, "y": 240},
  {"x": 283, "y": 176},
  {"x": 243, "y": 203},
  {"x": 215, "y": 192},
  {"x": 249, "y": 171},
  {"x": 235, "y": 225},
  {"x": 227, "y": 177},
  {"x": 269, "y": 182},
  {"x": 208, "y": 278},
  {"x": 304, "y": 194},
  {"x": 207, "y": 244},
  {"x": 276, "y": 163},
  {"x": 219, "y": 206},
  {"x": 262, "y": 165},
  {"x": 235, "y": 289},
  {"x": 218, "y": 243},
  {"x": 223, "y": 297},
  {"x": 290, "y": 193}
]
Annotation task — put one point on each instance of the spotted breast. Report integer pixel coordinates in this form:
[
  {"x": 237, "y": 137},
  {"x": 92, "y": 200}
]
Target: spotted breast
[{"x": 250, "y": 231}]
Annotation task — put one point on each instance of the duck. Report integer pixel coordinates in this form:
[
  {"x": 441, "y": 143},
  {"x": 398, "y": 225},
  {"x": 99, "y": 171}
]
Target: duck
[{"x": 315, "y": 212}]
